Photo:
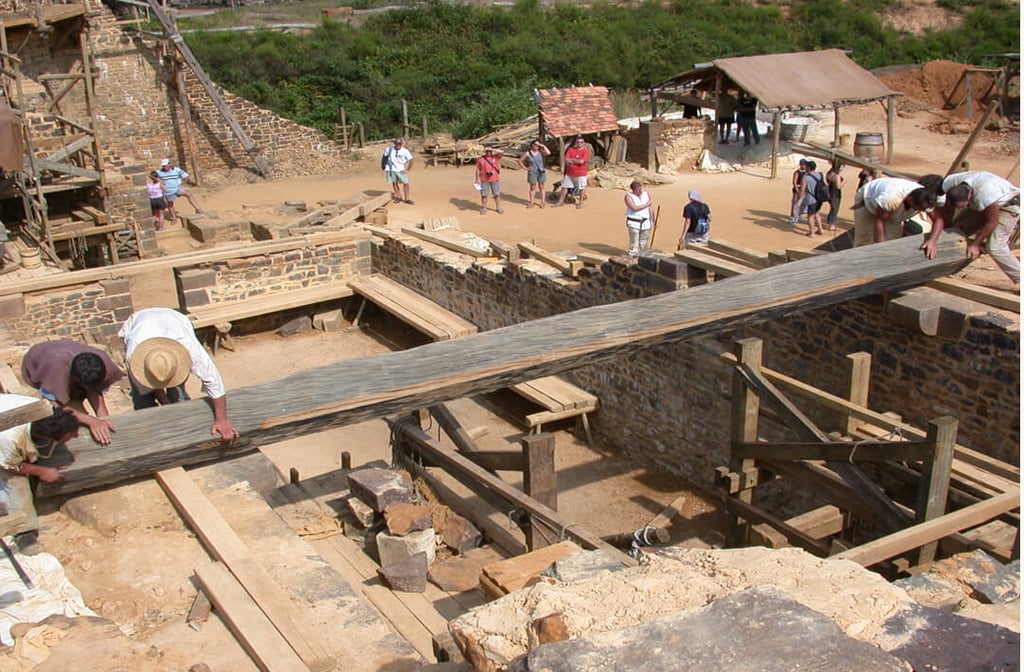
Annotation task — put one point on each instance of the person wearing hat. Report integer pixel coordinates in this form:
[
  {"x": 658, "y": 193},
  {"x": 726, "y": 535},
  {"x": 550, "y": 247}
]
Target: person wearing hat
[
  {"x": 397, "y": 163},
  {"x": 69, "y": 373},
  {"x": 696, "y": 220},
  {"x": 172, "y": 177},
  {"x": 488, "y": 176},
  {"x": 161, "y": 350},
  {"x": 20, "y": 449}
]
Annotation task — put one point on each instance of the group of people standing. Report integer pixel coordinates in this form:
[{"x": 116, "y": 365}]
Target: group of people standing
[
  {"x": 161, "y": 352},
  {"x": 807, "y": 199},
  {"x": 741, "y": 110},
  {"x": 642, "y": 221},
  {"x": 164, "y": 186}
]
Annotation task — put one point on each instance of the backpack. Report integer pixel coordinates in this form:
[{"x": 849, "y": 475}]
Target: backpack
[
  {"x": 385, "y": 158},
  {"x": 701, "y": 223},
  {"x": 821, "y": 192}
]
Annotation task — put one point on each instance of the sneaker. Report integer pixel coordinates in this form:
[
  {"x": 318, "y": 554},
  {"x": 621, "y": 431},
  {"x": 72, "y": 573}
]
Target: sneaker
[
  {"x": 483, "y": 211},
  {"x": 500, "y": 211},
  {"x": 579, "y": 205},
  {"x": 408, "y": 201}
]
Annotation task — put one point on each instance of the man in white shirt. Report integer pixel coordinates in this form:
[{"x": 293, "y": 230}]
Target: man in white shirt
[
  {"x": 19, "y": 450},
  {"x": 161, "y": 350},
  {"x": 881, "y": 206},
  {"x": 987, "y": 207},
  {"x": 398, "y": 162}
]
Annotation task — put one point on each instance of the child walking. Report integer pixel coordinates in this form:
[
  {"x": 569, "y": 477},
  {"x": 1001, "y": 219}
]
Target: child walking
[{"x": 157, "y": 199}]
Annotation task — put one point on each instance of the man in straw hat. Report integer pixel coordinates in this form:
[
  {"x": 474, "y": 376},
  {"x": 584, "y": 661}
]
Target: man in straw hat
[{"x": 161, "y": 350}]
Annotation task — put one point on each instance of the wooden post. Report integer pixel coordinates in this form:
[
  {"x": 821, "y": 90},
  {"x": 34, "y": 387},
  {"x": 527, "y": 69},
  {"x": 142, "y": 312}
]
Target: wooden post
[
  {"x": 969, "y": 95},
  {"x": 293, "y": 475},
  {"x": 890, "y": 128},
  {"x": 424, "y": 136},
  {"x": 405, "y": 119},
  {"x": 743, "y": 429},
  {"x": 858, "y": 383},
  {"x": 539, "y": 480},
  {"x": 978, "y": 127},
  {"x": 344, "y": 127},
  {"x": 934, "y": 487},
  {"x": 835, "y": 124},
  {"x": 776, "y": 130},
  {"x": 346, "y": 460},
  {"x": 362, "y": 136},
  {"x": 654, "y": 103}
]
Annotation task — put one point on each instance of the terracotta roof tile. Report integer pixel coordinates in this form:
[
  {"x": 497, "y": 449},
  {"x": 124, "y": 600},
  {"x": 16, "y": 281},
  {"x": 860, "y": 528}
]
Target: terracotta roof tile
[{"x": 580, "y": 109}]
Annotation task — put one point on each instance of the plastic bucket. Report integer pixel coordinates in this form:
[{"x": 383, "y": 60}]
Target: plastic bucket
[{"x": 869, "y": 146}]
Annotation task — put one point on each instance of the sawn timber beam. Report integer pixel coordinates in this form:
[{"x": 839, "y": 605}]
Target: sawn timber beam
[{"x": 354, "y": 390}]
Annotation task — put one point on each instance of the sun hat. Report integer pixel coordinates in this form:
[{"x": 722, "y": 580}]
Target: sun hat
[
  {"x": 159, "y": 363},
  {"x": 165, "y": 162},
  {"x": 694, "y": 195}
]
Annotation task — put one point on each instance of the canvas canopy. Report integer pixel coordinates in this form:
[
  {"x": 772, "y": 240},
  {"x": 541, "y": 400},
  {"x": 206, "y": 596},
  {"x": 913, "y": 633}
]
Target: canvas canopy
[{"x": 799, "y": 80}]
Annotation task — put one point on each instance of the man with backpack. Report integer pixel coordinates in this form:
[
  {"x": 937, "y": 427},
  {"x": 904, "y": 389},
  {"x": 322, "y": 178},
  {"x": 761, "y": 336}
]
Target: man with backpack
[
  {"x": 396, "y": 163},
  {"x": 696, "y": 220}
]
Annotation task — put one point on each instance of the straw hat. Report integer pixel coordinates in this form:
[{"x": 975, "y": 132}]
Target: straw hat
[{"x": 159, "y": 363}]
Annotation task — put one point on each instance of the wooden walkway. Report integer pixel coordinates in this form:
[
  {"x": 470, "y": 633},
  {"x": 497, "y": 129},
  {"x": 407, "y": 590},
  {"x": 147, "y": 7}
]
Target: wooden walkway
[{"x": 405, "y": 304}]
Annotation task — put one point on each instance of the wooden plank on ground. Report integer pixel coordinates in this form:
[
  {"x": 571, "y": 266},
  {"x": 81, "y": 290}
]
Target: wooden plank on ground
[
  {"x": 746, "y": 255},
  {"x": 405, "y": 304},
  {"x": 353, "y": 390},
  {"x": 251, "y": 628},
  {"x": 225, "y": 545},
  {"x": 512, "y": 574},
  {"x": 987, "y": 295},
  {"x": 447, "y": 243},
  {"x": 568, "y": 267}
]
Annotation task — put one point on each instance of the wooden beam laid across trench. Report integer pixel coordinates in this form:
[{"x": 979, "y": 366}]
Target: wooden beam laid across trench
[{"x": 353, "y": 390}]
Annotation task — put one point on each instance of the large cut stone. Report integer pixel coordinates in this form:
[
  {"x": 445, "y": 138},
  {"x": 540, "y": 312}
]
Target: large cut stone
[
  {"x": 392, "y": 548},
  {"x": 409, "y": 575},
  {"x": 404, "y": 518},
  {"x": 380, "y": 488}
]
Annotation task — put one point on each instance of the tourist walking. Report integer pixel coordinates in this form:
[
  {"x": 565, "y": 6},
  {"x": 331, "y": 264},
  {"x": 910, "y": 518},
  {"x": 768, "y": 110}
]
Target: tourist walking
[
  {"x": 488, "y": 178},
  {"x": 397, "y": 162},
  {"x": 639, "y": 219},
  {"x": 809, "y": 197},
  {"x": 696, "y": 220},
  {"x": 835, "y": 181},
  {"x": 533, "y": 161},
  {"x": 157, "y": 199},
  {"x": 796, "y": 203},
  {"x": 577, "y": 159},
  {"x": 173, "y": 179},
  {"x": 986, "y": 207}
]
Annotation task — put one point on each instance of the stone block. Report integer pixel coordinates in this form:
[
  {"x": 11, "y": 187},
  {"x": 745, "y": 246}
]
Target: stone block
[
  {"x": 392, "y": 548},
  {"x": 403, "y": 518},
  {"x": 757, "y": 629},
  {"x": 363, "y": 514},
  {"x": 196, "y": 278},
  {"x": 295, "y": 326},
  {"x": 380, "y": 488},
  {"x": 195, "y": 297},
  {"x": 12, "y": 306},
  {"x": 672, "y": 268},
  {"x": 930, "y": 639},
  {"x": 459, "y": 573},
  {"x": 331, "y": 320},
  {"x": 201, "y": 231},
  {"x": 581, "y": 565},
  {"x": 118, "y": 286},
  {"x": 409, "y": 575},
  {"x": 985, "y": 578},
  {"x": 459, "y": 534},
  {"x": 932, "y": 591}
]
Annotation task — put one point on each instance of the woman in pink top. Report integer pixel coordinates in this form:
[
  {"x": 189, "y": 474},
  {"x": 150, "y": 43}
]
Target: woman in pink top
[{"x": 157, "y": 199}]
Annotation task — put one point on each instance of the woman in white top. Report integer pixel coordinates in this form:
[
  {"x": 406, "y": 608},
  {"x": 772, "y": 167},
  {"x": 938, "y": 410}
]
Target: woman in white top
[{"x": 638, "y": 218}]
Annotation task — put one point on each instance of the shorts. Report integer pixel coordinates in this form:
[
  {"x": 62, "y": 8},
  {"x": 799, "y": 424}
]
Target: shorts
[
  {"x": 726, "y": 120},
  {"x": 397, "y": 177},
  {"x": 574, "y": 182},
  {"x": 490, "y": 188},
  {"x": 812, "y": 207},
  {"x": 157, "y": 204},
  {"x": 171, "y": 198},
  {"x": 536, "y": 177}
]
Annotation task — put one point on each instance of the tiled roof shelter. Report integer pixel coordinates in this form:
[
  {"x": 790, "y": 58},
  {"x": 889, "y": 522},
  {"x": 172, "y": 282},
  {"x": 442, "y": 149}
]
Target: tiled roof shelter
[{"x": 576, "y": 110}]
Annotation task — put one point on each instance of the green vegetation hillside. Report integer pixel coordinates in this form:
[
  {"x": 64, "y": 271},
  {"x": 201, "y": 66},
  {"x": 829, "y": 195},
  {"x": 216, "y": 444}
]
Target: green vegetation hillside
[{"x": 467, "y": 68}]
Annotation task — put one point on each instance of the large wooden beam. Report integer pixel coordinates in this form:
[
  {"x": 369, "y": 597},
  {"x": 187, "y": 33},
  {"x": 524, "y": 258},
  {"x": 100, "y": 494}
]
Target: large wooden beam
[{"x": 353, "y": 390}]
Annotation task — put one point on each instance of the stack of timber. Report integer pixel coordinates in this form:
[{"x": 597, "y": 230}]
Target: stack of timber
[
  {"x": 332, "y": 216},
  {"x": 511, "y": 139}
]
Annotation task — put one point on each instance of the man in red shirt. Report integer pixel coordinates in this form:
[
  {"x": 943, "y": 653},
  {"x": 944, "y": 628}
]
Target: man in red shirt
[
  {"x": 576, "y": 159},
  {"x": 488, "y": 176}
]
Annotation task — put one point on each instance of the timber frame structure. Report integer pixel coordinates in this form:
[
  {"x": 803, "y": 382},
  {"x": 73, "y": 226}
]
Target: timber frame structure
[
  {"x": 69, "y": 158},
  {"x": 941, "y": 475}
]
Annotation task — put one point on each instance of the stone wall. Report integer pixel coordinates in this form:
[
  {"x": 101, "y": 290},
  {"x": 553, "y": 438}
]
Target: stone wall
[
  {"x": 667, "y": 145},
  {"x": 247, "y": 277},
  {"x": 91, "y": 311},
  {"x": 670, "y": 403}
]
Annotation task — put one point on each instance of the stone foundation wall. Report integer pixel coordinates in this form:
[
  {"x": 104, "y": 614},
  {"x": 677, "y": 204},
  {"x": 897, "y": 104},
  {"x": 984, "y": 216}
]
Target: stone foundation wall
[
  {"x": 247, "y": 277},
  {"x": 670, "y": 403},
  {"x": 666, "y": 146},
  {"x": 91, "y": 312}
]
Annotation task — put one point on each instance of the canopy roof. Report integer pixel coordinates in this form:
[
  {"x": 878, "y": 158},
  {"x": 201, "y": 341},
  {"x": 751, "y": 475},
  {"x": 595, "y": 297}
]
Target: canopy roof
[
  {"x": 576, "y": 110},
  {"x": 804, "y": 79}
]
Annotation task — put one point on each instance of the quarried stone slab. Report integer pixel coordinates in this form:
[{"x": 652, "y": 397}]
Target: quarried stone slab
[{"x": 380, "y": 488}]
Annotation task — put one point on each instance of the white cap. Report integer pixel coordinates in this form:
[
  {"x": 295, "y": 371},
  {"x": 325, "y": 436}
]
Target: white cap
[{"x": 165, "y": 162}]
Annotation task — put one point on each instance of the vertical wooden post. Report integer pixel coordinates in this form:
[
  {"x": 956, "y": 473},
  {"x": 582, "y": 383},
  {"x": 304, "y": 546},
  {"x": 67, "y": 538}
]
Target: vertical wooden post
[
  {"x": 890, "y": 128},
  {"x": 969, "y": 95},
  {"x": 858, "y": 384},
  {"x": 934, "y": 487},
  {"x": 293, "y": 475},
  {"x": 362, "y": 136},
  {"x": 743, "y": 428},
  {"x": 344, "y": 127},
  {"x": 835, "y": 124},
  {"x": 561, "y": 153},
  {"x": 654, "y": 103},
  {"x": 405, "y": 119},
  {"x": 424, "y": 136},
  {"x": 776, "y": 130},
  {"x": 346, "y": 460},
  {"x": 539, "y": 480}
]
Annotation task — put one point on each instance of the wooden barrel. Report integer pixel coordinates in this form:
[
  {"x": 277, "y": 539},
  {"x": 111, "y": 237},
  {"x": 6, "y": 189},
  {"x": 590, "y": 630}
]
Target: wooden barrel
[
  {"x": 869, "y": 146},
  {"x": 30, "y": 258}
]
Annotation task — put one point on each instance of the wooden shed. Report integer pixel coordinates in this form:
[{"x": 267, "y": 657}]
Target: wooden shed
[{"x": 578, "y": 110}]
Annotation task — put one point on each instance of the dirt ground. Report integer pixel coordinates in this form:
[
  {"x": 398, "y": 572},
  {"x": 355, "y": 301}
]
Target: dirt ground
[{"x": 604, "y": 493}]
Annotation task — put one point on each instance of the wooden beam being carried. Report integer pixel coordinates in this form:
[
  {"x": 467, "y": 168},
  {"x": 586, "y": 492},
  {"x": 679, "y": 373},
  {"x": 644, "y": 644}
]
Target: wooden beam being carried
[
  {"x": 353, "y": 390},
  {"x": 211, "y": 90}
]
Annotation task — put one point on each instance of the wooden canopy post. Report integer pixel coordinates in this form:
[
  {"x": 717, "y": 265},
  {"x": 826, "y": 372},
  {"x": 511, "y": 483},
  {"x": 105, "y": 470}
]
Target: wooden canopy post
[
  {"x": 835, "y": 124},
  {"x": 743, "y": 422},
  {"x": 934, "y": 488},
  {"x": 890, "y": 128},
  {"x": 776, "y": 133},
  {"x": 539, "y": 481}
]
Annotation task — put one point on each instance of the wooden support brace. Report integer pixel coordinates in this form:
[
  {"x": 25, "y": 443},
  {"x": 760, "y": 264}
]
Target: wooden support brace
[
  {"x": 934, "y": 488},
  {"x": 539, "y": 480}
]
